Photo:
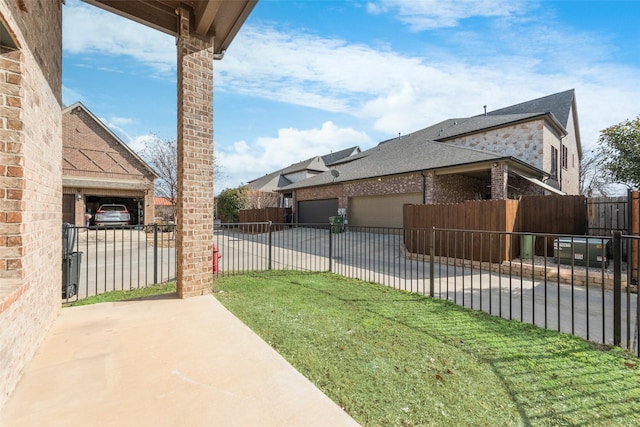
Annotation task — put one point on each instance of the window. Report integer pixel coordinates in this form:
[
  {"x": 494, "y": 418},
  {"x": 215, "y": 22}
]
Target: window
[
  {"x": 565, "y": 157},
  {"x": 554, "y": 162}
]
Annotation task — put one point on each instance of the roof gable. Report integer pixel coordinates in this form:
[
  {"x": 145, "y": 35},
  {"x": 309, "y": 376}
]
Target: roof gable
[
  {"x": 90, "y": 146},
  {"x": 411, "y": 153},
  {"x": 314, "y": 165},
  {"x": 558, "y": 104}
]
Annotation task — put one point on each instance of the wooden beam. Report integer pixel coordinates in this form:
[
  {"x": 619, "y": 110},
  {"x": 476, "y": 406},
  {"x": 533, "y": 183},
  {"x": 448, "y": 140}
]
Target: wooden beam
[
  {"x": 205, "y": 14},
  {"x": 154, "y": 14}
]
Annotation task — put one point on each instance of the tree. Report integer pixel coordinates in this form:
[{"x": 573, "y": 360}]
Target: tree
[
  {"x": 229, "y": 203},
  {"x": 260, "y": 199},
  {"x": 162, "y": 156},
  {"x": 594, "y": 179},
  {"x": 619, "y": 152}
]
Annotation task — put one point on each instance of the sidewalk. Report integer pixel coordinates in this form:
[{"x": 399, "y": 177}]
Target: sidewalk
[{"x": 162, "y": 362}]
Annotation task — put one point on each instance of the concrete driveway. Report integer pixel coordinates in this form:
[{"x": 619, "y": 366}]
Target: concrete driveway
[{"x": 162, "y": 362}]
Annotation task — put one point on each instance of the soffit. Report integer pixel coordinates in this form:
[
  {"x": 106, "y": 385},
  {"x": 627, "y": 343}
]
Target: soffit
[{"x": 221, "y": 19}]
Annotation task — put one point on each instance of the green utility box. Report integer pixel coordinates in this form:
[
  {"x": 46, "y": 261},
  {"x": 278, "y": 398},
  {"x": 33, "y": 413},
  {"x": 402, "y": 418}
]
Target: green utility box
[
  {"x": 336, "y": 224},
  {"x": 527, "y": 246},
  {"x": 590, "y": 252}
]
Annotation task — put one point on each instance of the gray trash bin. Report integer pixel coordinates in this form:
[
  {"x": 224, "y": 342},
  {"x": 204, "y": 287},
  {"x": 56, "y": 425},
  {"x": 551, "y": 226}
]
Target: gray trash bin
[{"x": 71, "y": 262}]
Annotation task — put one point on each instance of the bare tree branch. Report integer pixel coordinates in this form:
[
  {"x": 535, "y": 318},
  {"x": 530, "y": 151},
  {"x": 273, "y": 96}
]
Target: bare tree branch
[
  {"x": 594, "y": 178},
  {"x": 162, "y": 156}
]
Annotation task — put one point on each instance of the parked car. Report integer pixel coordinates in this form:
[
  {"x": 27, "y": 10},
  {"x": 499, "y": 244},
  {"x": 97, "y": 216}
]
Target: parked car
[{"x": 111, "y": 215}]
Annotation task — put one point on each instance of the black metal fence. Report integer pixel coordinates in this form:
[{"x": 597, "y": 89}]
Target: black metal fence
[
  {"x": 96, "y": 260},
  {"x": 573, "y": 284}
]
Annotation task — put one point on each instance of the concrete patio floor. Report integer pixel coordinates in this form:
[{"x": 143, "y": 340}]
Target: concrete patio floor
[{"x": 162, "y": 361}]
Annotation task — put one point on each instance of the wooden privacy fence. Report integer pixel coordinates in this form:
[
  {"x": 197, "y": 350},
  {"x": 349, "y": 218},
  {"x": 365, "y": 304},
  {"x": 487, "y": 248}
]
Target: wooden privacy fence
[
  {"x": 551, "y": 215},
  {"x": 534, "y": 214},
  {"x": 263, "y": 215},
  {"x": 607, "y": 214},
  {"x": 487, "y": 215}
]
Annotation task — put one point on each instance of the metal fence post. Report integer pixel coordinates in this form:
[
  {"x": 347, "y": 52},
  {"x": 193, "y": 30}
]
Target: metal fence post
[
  {"x": 617, "y": 287},
  {"x": 270, "y": 245},
  {"x": 155, "y": 253},
  {"x": 432, "y": 250},
  {"x": 330, "y": 249}
]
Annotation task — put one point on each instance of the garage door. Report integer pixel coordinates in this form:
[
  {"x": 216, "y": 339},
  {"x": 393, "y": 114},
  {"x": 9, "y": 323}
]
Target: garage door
[
  {"x": 317, "y": 211},
  {"x": 380, "y": 211}
]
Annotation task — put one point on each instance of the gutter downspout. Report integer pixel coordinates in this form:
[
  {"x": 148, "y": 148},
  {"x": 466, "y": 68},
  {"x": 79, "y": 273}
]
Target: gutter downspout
[
  {"x": 560, "y": 168},
  {"x": 424, "y": 187}
]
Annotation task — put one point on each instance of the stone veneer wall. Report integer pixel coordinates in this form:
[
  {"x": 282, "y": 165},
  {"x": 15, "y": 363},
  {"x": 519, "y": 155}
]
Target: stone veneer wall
[
  {"x": 31, "y": 196},
  {"x": 571, "y": 175},
  {"x": 523, "y": 141}
]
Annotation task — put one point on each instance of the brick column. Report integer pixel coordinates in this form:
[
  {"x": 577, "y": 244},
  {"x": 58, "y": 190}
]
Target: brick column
[
  {"x": 499, "y": 181},
  {"x": 12, "y": 145},
  {"x": 195, "y": 162}
]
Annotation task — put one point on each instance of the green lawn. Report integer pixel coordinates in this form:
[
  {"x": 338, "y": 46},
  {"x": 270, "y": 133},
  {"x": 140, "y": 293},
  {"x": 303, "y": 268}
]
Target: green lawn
[
  {"x": 163, "y": 288},
  {"x": 390, "y": 357}
]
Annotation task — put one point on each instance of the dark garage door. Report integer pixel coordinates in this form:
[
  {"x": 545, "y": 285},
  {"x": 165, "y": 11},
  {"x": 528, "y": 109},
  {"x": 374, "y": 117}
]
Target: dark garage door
[{"x": 317, "y": 211}]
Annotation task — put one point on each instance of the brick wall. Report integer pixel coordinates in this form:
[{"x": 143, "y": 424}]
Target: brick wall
[
  {"x": 31, "y": 198},
  {"x": 458, "y": 188},
  {"x": 89, "y": 150},
  {"x": 438, "y": 188},
  {"x": 195, "y": 162}
]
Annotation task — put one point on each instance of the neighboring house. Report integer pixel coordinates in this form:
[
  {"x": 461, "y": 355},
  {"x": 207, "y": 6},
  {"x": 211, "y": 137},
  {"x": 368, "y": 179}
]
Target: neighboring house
[
  {"x": 297, "y": 172},
  {"x": 164, "y": 209},
  {"x": 98, "y": 167},
  {"x": 529, "y": 148}
]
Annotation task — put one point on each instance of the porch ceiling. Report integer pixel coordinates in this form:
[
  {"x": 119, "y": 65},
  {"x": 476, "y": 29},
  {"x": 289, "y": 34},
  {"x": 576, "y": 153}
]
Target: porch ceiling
[{"x": 221, "y": 19}]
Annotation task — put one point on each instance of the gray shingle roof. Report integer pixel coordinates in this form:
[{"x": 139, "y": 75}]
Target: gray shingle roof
[
  {"x": 558, "y": 104},
  {"x": 339, "y": 155},
  {"x": 478, "y": 123},
  {"x": 422, "y": 150},
  {"x": 409, "y": 153},
  {"x": 270, "y": 182},
  {"x": 276, "y": 180}
]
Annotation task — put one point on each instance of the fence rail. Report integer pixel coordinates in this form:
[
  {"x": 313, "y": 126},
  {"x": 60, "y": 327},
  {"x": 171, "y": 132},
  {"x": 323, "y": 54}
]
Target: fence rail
[
  {"x": 573, "y": 284},
  {"x": 96, "y": 260},
  {"x": 580, "y": 285}
]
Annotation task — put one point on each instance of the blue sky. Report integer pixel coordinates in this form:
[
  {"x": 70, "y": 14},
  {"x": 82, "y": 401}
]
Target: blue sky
[{"x": 305, "y": 78}]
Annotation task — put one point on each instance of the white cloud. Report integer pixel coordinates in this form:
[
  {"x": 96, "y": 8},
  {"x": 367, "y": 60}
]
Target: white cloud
[
  {"x": 402, "y": 93},
  {"x": 429, "y": 14},
  {"x": 395, "y": 92},
  {"x": 242, "y": 162},
  {"x": 87, "y": 29}
]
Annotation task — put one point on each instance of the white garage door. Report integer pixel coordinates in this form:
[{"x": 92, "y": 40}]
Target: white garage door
[{"x": 380, "y": 211}]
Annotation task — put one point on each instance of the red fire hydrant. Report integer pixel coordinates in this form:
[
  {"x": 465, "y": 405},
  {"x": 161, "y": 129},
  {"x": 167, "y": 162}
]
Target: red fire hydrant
[{"x": 216, "y": 256}]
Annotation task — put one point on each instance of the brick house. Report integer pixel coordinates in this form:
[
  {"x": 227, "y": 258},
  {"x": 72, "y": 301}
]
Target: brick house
[
  {"x": 525, "y": 149},
  {"x": 31, "y": 149},
  {"x": 164, "y": 209},
  {"x": 297, "y": 172},
  {"x": 98, "y": 167}
]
